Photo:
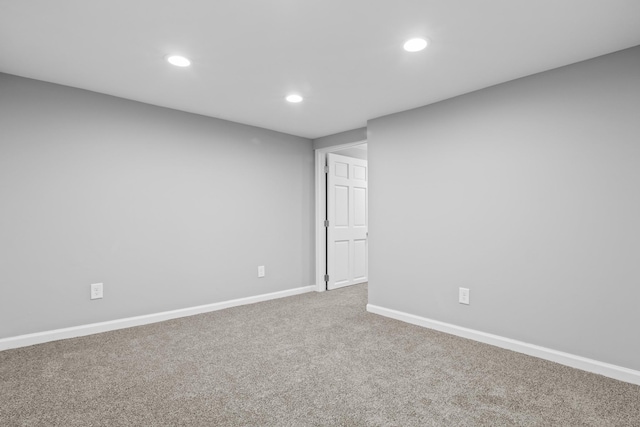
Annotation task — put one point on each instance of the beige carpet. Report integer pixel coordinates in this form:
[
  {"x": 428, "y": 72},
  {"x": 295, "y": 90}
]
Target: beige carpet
[{"x": 308, "y": 360}]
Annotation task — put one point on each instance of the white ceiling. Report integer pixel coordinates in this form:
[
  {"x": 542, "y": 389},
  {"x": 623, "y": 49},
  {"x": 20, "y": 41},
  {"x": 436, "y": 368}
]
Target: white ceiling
[{"x": 344, "y": 56}]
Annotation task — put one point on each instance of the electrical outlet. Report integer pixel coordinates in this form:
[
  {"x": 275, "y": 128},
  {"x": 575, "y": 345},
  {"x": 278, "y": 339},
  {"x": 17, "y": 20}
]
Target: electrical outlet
[
  {"x": 261, "y": 271},
  {"x": 463, "y": 296},
  {"x": 96, "y": 291}
]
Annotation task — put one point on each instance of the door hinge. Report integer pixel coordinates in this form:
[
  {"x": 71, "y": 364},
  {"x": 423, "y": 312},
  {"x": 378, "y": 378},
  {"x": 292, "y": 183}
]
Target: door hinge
[
  {"x": 326, "y": 169},
  {"x": 326, "y": 277},
  {"x": 326, "y": 223}
]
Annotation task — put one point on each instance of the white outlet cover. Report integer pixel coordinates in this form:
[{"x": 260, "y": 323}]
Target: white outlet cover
[
  {"x": 261, "y": 271},
  {"x": 463, "y": 296},
  {"x": 96, "y": 290}
]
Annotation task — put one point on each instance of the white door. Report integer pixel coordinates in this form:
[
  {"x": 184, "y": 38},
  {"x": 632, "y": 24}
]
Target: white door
[{"x": 347, "y": 200}]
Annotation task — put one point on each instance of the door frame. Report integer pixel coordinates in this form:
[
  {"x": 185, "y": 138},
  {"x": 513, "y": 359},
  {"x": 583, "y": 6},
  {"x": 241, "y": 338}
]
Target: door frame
[{"x": 321, "y": 208}]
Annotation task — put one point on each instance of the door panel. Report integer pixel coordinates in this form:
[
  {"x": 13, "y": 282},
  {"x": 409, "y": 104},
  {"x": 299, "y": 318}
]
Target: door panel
[
  {"x": 359, "y": 207},
  {"x": 360, "y": 260},
  {"x": 341, "y": 206},
  {"x": 347, "y": 245},
  {"x": 360, "y": 172},
  {"x": 342, "y": 258},
  {"x": 342, "y": 170}
]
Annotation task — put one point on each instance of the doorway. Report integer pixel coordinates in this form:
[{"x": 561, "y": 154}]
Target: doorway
[{"x": 341, "y": 243}]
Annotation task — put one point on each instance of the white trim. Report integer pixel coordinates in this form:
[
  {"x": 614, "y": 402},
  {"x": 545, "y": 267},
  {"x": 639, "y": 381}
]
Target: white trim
[
  {"x": 320, "y": 208},
  {"x": 112, "y": 325},
  {"x": 579, "y": 362},
  {"x": 319, "y": 221}
]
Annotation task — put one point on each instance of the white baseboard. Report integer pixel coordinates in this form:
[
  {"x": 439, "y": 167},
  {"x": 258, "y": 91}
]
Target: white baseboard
[
  {"x": 579, "y": 362},
  {"x": 112, "y": 325}
]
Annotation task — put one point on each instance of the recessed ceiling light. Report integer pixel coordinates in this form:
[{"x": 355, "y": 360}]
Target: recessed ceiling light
[
  {"x": 178, "y": 61},
  {"x": 294, "y": 98},
  {"x": 415, "y": 45}
]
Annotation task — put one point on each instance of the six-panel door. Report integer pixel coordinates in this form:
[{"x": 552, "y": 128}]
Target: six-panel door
[{"x": 348, "y": 221}]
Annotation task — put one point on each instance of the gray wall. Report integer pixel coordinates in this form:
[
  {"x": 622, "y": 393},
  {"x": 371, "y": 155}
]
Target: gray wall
[
  {"x": 354, "y": 135},
  {"x": 528, "y": 193},
  {"x": 167, "y": 209},
  {"x": 356, "y": 153}
]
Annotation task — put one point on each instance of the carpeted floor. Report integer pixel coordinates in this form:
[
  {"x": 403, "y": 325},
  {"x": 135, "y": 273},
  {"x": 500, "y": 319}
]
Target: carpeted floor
[{"x": 309, "y": 360}]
